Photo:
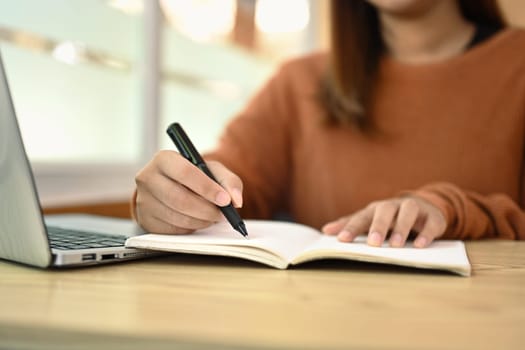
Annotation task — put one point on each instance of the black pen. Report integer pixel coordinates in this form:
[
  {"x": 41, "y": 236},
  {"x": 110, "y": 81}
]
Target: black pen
[{"x": 188, "y": 151}]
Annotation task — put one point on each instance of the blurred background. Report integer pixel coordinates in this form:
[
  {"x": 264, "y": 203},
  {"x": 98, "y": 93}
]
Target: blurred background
[{"x": 96, "y": 82}]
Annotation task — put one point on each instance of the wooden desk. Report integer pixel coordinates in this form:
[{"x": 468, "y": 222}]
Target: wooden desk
[{"x": 219, "y": 303}]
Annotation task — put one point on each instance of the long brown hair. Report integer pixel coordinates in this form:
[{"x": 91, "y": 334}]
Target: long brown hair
[{"x": 357, "y": 46}]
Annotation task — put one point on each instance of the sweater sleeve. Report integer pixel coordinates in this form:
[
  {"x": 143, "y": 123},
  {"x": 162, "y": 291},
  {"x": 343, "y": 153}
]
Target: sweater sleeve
[
  {"x": 256, "y": 146},
  {"x": 471, "y": 215}
]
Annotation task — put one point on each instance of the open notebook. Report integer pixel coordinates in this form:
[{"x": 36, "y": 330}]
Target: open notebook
[{"x": 281, "y": 244}]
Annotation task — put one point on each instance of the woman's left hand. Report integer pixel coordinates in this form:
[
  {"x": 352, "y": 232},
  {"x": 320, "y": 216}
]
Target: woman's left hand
[{"x": 400, "y": 216}]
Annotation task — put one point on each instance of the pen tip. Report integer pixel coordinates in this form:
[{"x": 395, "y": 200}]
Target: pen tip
[{"x": 242, "y": 229}]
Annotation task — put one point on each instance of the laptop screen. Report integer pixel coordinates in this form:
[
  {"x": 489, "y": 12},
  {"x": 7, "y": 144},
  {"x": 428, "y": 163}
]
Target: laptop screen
[{"x": 23, "y": 237}]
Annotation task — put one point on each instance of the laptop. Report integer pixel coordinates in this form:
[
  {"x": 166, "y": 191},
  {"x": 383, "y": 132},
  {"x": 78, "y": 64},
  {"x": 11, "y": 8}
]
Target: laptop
[{"x": 26, "y": 236}]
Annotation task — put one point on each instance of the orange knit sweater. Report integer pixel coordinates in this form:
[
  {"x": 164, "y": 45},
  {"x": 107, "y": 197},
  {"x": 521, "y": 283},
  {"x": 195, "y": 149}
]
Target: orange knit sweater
[{"x": 451, "y": 132}]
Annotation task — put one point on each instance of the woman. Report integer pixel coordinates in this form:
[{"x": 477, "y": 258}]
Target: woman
[{"x": 413, "y": 125}]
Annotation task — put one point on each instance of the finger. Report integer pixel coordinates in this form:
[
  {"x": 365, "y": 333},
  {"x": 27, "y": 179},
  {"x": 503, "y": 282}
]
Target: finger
[
  {"x": 228, "y": 180},
  {"x": 334, "y": 227},
  {"x": 433, "y": 228},
  {"x": 186, "y": 202},
  {"x": 153, "y": 207},
  {"x": 180, "y": 170},
  {"x": 405, "y": 221},
  {"x": 384, "y": 215},
  {"x": 181, "y": 199},
  {"x": 356, "y": 225}
]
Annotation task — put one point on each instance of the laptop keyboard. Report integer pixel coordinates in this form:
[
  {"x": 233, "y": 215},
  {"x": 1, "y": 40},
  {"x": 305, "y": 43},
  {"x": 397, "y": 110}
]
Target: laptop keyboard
[{"x": 66, "y": 239}]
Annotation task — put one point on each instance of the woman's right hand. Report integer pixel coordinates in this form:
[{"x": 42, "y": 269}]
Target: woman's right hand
[{"x": 174, "y": 196}]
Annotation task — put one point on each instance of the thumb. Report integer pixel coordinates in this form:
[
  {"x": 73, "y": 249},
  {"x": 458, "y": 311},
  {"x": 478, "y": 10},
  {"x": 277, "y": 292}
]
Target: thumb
[{"x": 228, "y": 180}]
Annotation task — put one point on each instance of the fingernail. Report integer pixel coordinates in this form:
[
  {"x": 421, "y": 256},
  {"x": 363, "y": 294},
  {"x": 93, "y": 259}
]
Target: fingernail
[
  {"x": 344, "y": 236},
  {"x": 222, "y": 199},
  {"x": 237, "y": 197},
  {"x": 374, "y": 239},
  {"x": 396, "y": 240},
  {"x": 420, "y": 242}
]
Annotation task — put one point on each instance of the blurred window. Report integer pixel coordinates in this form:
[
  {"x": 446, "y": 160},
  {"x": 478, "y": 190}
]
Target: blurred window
[{"x": 96, "y": 82}]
